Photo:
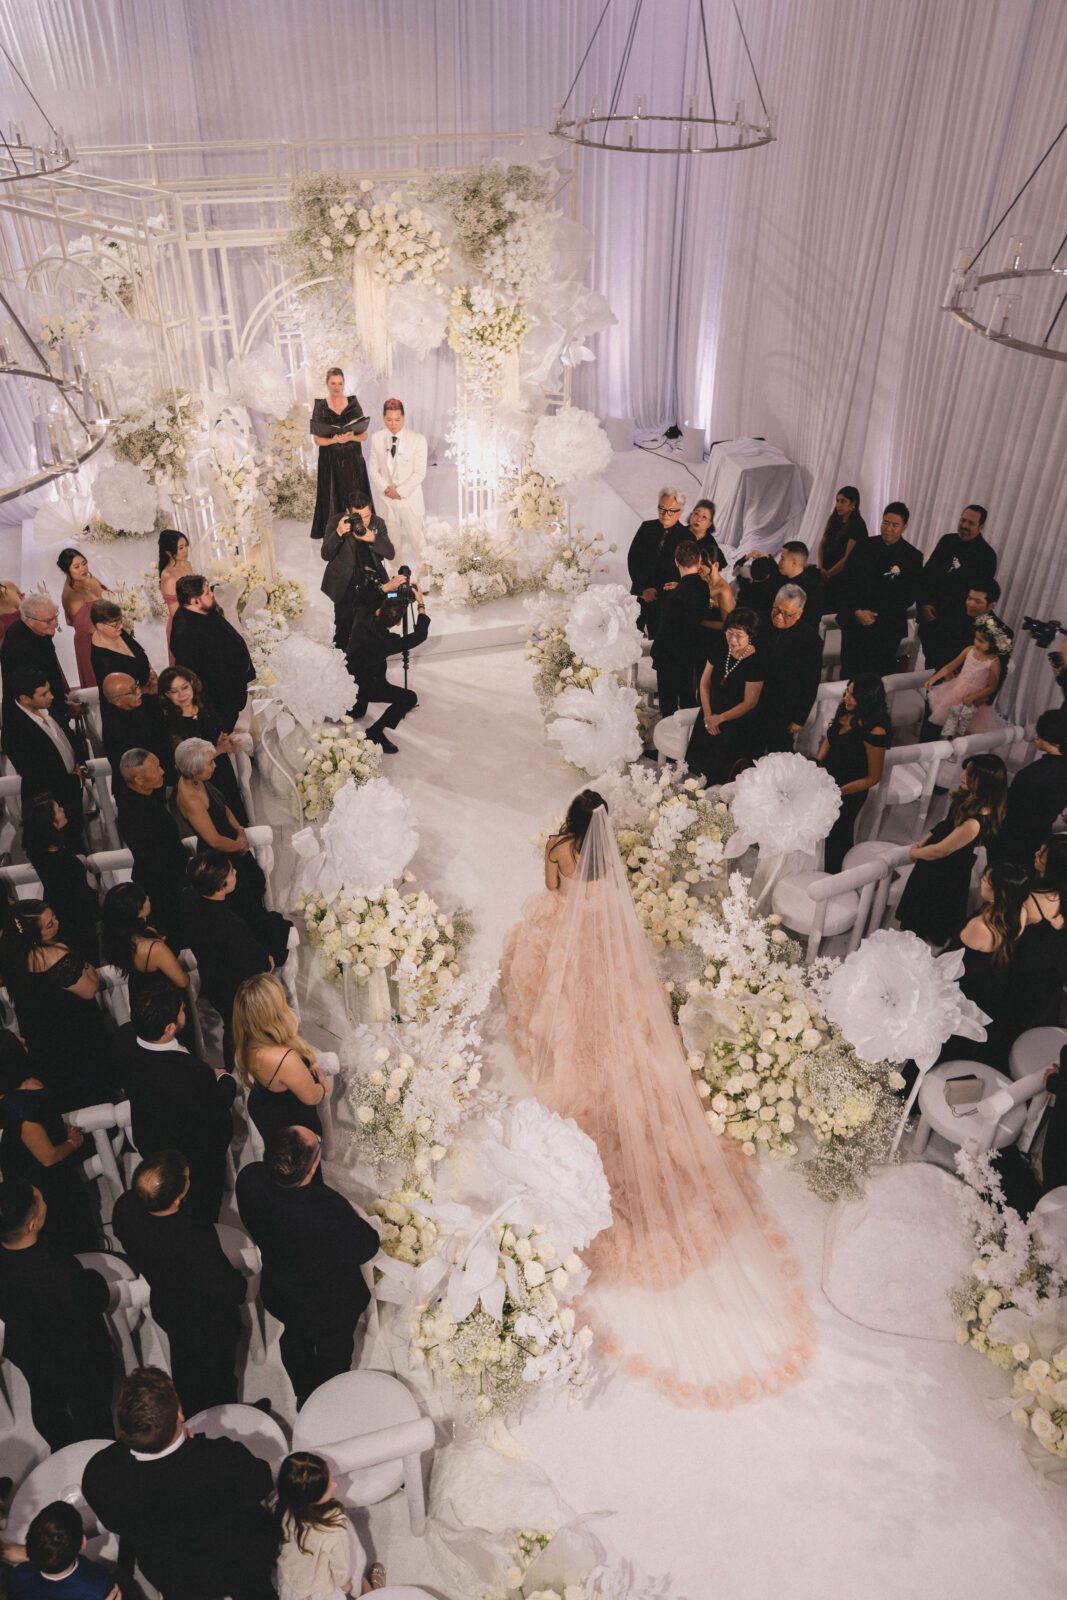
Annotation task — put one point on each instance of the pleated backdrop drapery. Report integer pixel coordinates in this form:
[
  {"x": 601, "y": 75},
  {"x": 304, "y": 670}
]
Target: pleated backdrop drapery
[{"x": 791, "y": 292}]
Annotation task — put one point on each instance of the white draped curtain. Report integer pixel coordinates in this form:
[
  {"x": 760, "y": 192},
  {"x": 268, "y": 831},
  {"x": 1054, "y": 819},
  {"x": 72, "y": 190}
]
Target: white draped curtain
[{"x": 791, "y": 292}]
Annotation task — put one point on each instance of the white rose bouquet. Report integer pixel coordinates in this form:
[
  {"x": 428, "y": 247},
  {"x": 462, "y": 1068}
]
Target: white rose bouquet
[
  {"x": 483, "y": 331},
  {"x": 406, "y": 1109},
  {"x": 336, "y": 756},
  {"x": 408, "y": 1234},
  {"x": 469, "y": 563},
  {"x": 403, "y": 935},
  {"x": 283, "y": 597},
  {"x": 160, "y": 437}
]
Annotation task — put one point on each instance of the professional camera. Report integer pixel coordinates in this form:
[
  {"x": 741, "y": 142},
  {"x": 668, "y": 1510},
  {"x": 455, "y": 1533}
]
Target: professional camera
[
  {"x": 403, "y": 591},
  {"x": 1042, "y": 633}
]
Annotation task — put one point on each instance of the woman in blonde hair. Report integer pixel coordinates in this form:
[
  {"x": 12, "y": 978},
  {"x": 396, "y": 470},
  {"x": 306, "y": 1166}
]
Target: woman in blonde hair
[
  {"x": 274, "y": 1063},
  {"x": 338, "y": 425}
]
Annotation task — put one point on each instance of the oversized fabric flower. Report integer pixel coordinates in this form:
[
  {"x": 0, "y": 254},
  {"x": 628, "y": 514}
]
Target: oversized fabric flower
[
  {"x": 602, "y": 628},
  {"x": 368, "y": 838},
  {"x": 597, "y": 727},
  {"x": 571, "y": 448},
  {"x": 260, "y": 382},
  {"x": 551, "y": 1168},
  {"x": 417, "y": 318},
  {"x": 784, "y": 803},
  {"x": 895, "y": 1001},
  {"x": 125, "y": 498},
  {"x": 312, "y": 682}
]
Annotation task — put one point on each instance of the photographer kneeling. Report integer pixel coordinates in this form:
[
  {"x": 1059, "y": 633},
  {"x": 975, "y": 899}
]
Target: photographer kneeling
[
  {"x": 371, "y": 644},
  {"x": 355, "y": 575}
]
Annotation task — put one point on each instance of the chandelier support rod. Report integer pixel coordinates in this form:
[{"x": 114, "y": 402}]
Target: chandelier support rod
[
  {"x": 46, "y": 371},
  {"x": 1056, "y": 318},
  {"x": 748, "y": 53},
  {"x": 707, "y": 66},
  {"x": 623, "y": 64},
  {"x": 27, "y": 88},
  {"x": 1059, "y": 252},
  {"x": 1020, "y": 194},
  {"x": 585, "y": 58}
]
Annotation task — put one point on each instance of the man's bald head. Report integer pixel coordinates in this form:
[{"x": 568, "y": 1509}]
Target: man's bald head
[{"x": 119, "y": 689}]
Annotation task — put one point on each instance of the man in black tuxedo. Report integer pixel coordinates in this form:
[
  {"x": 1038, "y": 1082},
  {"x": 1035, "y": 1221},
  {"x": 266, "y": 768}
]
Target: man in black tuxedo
[
  {"x": 148, "y": 830},
  {"x": 369, "y": 648},
  {"x": 177, "y": 1102},
  {"x": 792, "y": 668},
  {"x": 313, "y": 1245},
  {"x": 202, "y": 640},
  {"x": 959, "y": 561},
  {"x": 29, "y": 645},
  {"x": 882, "y": 581},
  {"x": 54, "y": 1331},
  {"x": 650, "y": 558},
  {"x": 353, "y": 548},
  {"x": 679, "y": 649},
  {"x": 40, "y": 745},
  {"x": 1037, "y": 795},
  {"x": 188, "y": 1509},
  {"x": 196, "y": 1292},
  {"x": 132, "y": 719}
]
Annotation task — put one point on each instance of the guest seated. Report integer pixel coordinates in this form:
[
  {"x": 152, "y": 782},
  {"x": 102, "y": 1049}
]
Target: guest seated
[
  {"x": 225, "y": 947},
  {"x": 53, "y": 1309},
  {"x": 679, "y": 649},
  {"x": 38, "y": 1146},
  {"x": 150, "y": 833},
  {"x": 1041, "y": 960},
  {"x": 792, "y": 666},
  {"x": 727, "y": 735},
  {"x": 845, "y": 529},
  {"x": 196, "y": 1294},
  {"x": 314, "y": 1245},
  {"x": 54, "y": 990},
  {"x": 55, "y": 1565},
  {"x": 187, "y": 716},
  {"x": 51, "y": 851},
  {"x": 274, "y": 1063},
  {"x": 793, "y": 566},
  {"x": 934, "y": 902},
  {"x": 319, "y": 1552},
  {"x": 177, "y": 1099},
  {"x": 114, "y": 649},
  {"x": 132, "y": 720},
  {"x": 853, "y": 753},
  {"x": 205, "y": 643},
  {"x": 883, "y": 576},
  {"x": 700, "y": 530},
  {"x": 40, "y": 744},
  {"x": 650, "y": 559},
  {"x": 135, "y": 947},
  {"x": 1037, "y": 798},
  {"x": 990, "y": 944},
  {"x": 189, "y": 1510}
]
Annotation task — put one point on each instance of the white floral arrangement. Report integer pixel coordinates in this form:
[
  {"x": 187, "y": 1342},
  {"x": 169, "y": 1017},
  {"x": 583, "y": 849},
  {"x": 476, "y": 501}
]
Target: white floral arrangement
[
  {"x": 397, "y": 240},
  {"x": 487, "y": 204},
  {"x": 1012, "y": 1309},
  {"x": 468, "y": 564},
  {"x": 601, "y": 627},
  {"x": 493, "y": 1359},
  {"x": 289, "y": 486},
  {"x": 335, "y": 756},
  {"x": 409, "y": 1234},
  {"x": 536, "y": 504},
  {"x": 126, "y": 501},
  {"x": 112, "y": 261},
  {"x": 597, "y": 724},
  {"x": 483, "y": 331},
  {"x": 308, "y": 682},
  {"x": 59, "y": 328},
  {"x": 556, "y": 667},
  {"x": 571, "y": 448},
  {"x": 282, "y": 597},
  {"x": 101, "y": 532},
  {"x": 263, "y": 633},
  {"x": 568, "y": 562},
  {"x": 406, "y": 1110},
  {"x": 152, "y": 595},
  {"x": 239, "y": 490},
  {"x": 160, "y": 438},
  {"x": 405, "y": 935},
  {"x": 131, "y": 602}
]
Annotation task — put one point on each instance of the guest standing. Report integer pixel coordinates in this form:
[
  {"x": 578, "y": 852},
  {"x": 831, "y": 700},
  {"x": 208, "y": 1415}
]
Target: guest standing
[
  {"x": 274, "y": 1063},
  {"x": 397, "y": 467},
  {"x": 353, "y": 548},
  {"x": 883, "y": 576},
  {"x": 114, "y": 649},
  {"x": 793, "y": 662},
  {"x": 225, "y": 948},
  {"x": 959, "y": 561},
  {"x": 55, "y": 990},
  {"x": 132, "y": 720},
  {"x": 853, "y": 753},
  {"x": 727, "y": 733},
  {"x": 186, "y": 715},
  {"x": 990, "y": 944},
  {"x": 80, "y": 589},
  {"x": 650, "y": 559},
  {"x": 137, "y": 949},
  {"x": 174, "y": 563},
  {"x": 679, "y": 649},
  {"x": 55, "y": 1566},
  {"x": 700, "y": 528},
  {"x": 28, "y": 645},
  {"x": 845, "y": 529},
  {"x": 338, "y": 427},
  {"x": 40, "y": 744},
  {"x": 150, "y": 833},
  {"x": 720, "y": 595},
  {"x": 934, "y": 902},
  {"x": 1037, "y": 797},
  {"x": 205, "y": 643},
  {"x": 1041, "y": 959},
  {"x": 314, "y": 1245}
]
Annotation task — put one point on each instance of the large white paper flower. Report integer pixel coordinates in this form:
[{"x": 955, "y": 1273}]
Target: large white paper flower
[
  {"x": 895, "y": 1001},
  {"x": 125, "y": 498},
  {"x": 368, "y": 838},
  {"x": 417, "y": 318},
  {"x": 597, "y": 728},
  {"x": 553, "y": 1170},
  {"x": 571, "y": 448},
  {"x": 313, "y": 683},
  {"x": 260, "y": 382},
  {"x": 602, "y": 628},
  {"x": 784, "y": 803}
]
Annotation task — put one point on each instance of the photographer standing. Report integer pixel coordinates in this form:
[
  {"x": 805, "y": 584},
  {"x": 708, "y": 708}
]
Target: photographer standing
[
  {"x": 355, "y": 575},
  {"x": 369, "y": 648}
]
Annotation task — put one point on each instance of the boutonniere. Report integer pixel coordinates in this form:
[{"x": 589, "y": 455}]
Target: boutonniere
[
  {"x": 893, "y": 572},
  {"x": 955, "y": 567}
]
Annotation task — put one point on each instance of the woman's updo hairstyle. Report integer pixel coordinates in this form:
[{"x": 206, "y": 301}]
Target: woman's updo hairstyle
[
  {"x": 334, "y": 372},
  {"x": 580, "y": 813},
  {"x": 66, "y": 558}
]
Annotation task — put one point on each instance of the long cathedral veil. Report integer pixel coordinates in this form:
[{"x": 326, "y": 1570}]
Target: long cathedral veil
[{"x": 691, "y": 1287}]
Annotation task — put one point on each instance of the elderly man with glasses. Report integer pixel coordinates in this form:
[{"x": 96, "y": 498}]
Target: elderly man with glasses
[
  {"x": 651, "y": 556},
  {"x": 792, "y": 663},
  {"x": 132, "y": 720},
  {"x": 29, "y": 646}
]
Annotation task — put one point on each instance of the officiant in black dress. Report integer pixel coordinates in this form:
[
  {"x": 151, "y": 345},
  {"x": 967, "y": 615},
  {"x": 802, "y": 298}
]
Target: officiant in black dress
[{"x": 342, "y": 469}]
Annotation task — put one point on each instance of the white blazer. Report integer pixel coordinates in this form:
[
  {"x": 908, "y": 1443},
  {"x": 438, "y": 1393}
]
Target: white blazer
[{"x": 406, "y": 469}]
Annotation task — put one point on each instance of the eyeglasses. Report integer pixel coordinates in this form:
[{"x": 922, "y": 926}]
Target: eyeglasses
[{"x": 670, "y": 511}]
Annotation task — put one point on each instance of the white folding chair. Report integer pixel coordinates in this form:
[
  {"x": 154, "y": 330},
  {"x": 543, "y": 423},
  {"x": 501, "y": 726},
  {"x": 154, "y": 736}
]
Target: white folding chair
[
  {"x": 103, "y": 1122},
  {"x": 1036, "y": 1050},
  {"x": 907, "y": 702},
  {"x": 671, "y": 734},
  {"x": 255, "y": 1429},
  {"x": 998, "y": 741},
  {"x": 59, "y": 1477},
  {"x": 115, "y": 994},
  {"x": 24, "y": 880},
  {"x": 826, "y": 904},
  {"x": 827, "y": 700},
  {"x": 110, "y": 867},
  {"x": 242, "y": 765},
  {"x": 11, "y": 802},
  {"x": 909, "y": 778},
  {"x": 329, "y": 1065},
  {"x": 241, "y": 1252},
  {"x": 99, "y": 772},
  {"x": 997, "y": 1121},
  {"x": 128, "y": 1306},
  {"x": 90, "y": 699}
]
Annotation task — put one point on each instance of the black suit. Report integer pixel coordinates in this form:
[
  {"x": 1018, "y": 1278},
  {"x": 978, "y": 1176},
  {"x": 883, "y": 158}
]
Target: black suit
[
  {"x": 160, "y": 861},
  {"x": 226, "y": 952},
  {"x": 1036, "y": 797},
  {"x": 196, "y": 1297},
  {"x": 38, "y": 762},
  {"x": 313, "y": 1245},
  {"x": 369, "y": 648},
  {"x": 212, "y": 648},
  {"x": 354, "y": 573},
  {"x": 177, "y": 1103},
  {"x": 883, "y": 578},
  {"x": 955, "y": 566},
  {"x": 680, "y": 646},
  {"x": 52, "y": 1308},
  {"x": 792, "y": 666},
  {"x": 139, "y": 728},
  {"x": 22, "y": 650},
  {"x": 194, "y": 1521},
  {"x": 650, "y": 560}
]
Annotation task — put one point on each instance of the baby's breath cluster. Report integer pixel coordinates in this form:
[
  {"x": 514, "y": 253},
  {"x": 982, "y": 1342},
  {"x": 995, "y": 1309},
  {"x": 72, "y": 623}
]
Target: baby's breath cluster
[{"x": 407, "y": 1110}]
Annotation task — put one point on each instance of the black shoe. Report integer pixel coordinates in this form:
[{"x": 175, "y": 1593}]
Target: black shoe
[{"x": 383, "y": 740}]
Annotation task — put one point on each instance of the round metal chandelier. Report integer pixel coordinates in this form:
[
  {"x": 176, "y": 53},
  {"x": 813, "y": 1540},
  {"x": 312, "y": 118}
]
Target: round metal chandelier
[{"x": 703, "y": 131}]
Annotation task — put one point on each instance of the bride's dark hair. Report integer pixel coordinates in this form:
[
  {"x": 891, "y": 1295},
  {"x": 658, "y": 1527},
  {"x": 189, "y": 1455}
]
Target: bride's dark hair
[{"x": 579, "y": 813}]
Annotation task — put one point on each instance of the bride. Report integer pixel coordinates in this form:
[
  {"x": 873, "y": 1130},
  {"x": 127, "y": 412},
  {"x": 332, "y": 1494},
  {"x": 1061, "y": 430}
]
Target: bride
[{"x": 691, "y": 1286}]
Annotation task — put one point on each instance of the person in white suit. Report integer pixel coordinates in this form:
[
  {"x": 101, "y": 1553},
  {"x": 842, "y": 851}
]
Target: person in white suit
[{"x": 397, "y": 466}]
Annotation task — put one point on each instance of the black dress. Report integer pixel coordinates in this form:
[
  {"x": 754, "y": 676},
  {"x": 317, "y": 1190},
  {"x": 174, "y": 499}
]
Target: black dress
[
  {"x": 832, "y": 594},
  {"x": 716, "y": 756},
  {"x": 989, "y": 984},
  {"x": 64, "y": 1034},
  {"x": 70, "y": 1223},
  {"x": 104, "y": 661},
  {"x": 846, "y": 761},
  {"x": 206, "y": 725},
  {"x": 342, "y": 471},
  {"x": 272, "y": 1109},
  {"x": 1039, "y": 970},
  {"x": 934, "y": 902},
  {"x": 246, "y": 901},
  {"x": 67, "y": 891}
]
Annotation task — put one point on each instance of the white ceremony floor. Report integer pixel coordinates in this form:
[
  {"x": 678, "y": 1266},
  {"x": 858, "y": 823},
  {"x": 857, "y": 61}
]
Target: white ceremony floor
[{"x": 883, "y": 1474}]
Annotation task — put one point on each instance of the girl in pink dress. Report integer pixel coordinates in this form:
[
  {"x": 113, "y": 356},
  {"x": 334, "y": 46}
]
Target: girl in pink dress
[
  {"x": 960, "y": 692},
  {"x": 174, "y": 563},
  {"x": 79, "y": 591}
]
